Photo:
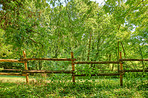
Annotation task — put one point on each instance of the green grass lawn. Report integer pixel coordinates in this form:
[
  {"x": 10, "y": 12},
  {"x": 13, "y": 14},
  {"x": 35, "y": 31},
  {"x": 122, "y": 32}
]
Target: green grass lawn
[{"x": 96, "y": 88}]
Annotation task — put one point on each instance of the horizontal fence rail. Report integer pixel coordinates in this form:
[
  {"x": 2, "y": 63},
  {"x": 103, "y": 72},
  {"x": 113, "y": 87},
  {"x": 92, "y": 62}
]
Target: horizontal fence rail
[
  {"x": 45, "y": 71},
  {"x": 48, "y": 59},
  {"x": 133, "y": 59},
  {"x": 95, "y": 62},
  {"x": 11, "y": 60},
  {"x": 14, "y": 74},
  {"x": 63, "y": 71},
  {"x": 101, "y": 74},
  {"x": 10, "y": 70},
  {"x": 135, "y": 70}
]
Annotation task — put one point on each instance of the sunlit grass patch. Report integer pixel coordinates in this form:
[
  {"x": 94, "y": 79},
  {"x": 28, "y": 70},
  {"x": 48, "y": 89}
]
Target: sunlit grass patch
[{"x": 103, "y": 88}]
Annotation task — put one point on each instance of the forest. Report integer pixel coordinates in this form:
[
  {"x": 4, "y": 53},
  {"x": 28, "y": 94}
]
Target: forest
[{"x": 93, "y": 30}]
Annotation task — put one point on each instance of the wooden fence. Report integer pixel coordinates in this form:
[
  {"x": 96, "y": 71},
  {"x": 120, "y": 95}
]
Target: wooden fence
[{"x": 73, "y": 62}]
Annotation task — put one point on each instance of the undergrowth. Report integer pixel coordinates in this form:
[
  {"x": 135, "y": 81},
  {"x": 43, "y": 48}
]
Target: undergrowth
[{"x": 103, "y": 88}]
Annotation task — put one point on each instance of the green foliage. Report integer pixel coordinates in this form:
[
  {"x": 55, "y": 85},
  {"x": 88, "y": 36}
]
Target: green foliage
[
  {"x": 5, "y": 48},
  {"x": 54, "y": 29}
]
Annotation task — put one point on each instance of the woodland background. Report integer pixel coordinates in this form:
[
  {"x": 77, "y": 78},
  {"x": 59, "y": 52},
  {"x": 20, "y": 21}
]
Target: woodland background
[{"x": 54, "y": 28}]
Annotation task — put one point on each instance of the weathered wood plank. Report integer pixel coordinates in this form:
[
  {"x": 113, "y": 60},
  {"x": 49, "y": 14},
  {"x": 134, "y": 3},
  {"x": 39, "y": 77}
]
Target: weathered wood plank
[
  {"x": 73, "y": 67},
  {"x": 13, "y": 74},
  {"x": 45, "y": 71},
  {"x": 11, "y": 60},
  {"x": 26, "y": 68},
  {"x": 133, "y": 59},
  {"x": 95, "y": 62},
  {"x": 48, "y": 59},
  {"x": 11, "y": 70},
  {"x": 101, "y": 74},
  {"x": 121, "y": 68},
  {"x": 135, "y": 70}
]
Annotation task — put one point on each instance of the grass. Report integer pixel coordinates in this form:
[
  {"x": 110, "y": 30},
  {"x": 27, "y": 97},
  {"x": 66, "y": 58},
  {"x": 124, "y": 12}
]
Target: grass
[{"x": 96, "y": 88}]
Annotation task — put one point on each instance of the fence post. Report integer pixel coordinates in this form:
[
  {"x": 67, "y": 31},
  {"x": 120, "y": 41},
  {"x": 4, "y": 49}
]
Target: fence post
[
  {"x": 121, "y": 71},
  {"x": 73, "y": 68},
  {"x": 118, "y": 53},
  {"x": 27, "y": 80}
]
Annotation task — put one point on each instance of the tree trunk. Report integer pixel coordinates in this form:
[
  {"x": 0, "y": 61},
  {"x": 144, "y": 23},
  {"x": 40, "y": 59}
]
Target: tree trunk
[
  {"x": 40, "y": 65},
  {"x": 89, "y": 46},
  {"x": 109, "y": 59}
]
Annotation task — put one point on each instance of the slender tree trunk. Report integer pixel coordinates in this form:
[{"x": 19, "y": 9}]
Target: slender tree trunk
[
  {"x": 89, "y": 46},
  {"x": 141, "y": 57},
  {"x": 109, "y": 59},
  {"x": 98, "y": 47},
  {"x": 92, "y": 65},
  {"x": 40, "y": 66},
  {"x": 113, "y": 67},
  {"x": 123, "y": 50}
]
